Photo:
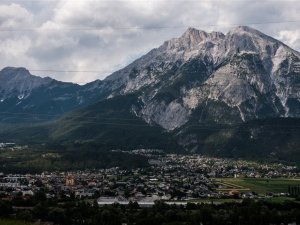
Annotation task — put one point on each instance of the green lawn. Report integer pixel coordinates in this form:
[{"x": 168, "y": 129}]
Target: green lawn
[
  {"x": 261, "y": 186},
  {"x": 13, "y": 222}
]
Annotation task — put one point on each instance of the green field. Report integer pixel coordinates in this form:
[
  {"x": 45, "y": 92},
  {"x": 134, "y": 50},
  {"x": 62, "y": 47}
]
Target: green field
[
  {"x": 13, "y": 222},
  {"x": 259, "y": 185}
]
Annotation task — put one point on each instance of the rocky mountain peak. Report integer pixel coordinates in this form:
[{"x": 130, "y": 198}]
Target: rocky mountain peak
[
  {"x": 243, "y": 38},
  {"x": 198, "y": 36},
  {"x": 194, "y": 34},
  {"x": 241, "y": 29},
  {"x": 22, "y": 93},
  {"x": 240, "y": 38},
  {"x": 193, "y": 39},
  {"x": 16, "y": 81},
  {"x": 245, "y": 73},
  {"x": 11, "y": 72}
]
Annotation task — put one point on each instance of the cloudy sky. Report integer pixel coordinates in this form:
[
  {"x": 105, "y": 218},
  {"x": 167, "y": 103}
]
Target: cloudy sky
[{"x": 98, "y": 37}]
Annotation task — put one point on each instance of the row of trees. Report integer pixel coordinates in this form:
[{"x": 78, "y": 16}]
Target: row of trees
[{"x": 82, "y": 213}]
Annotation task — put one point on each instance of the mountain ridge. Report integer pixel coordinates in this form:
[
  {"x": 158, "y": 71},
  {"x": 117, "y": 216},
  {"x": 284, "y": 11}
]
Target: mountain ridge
[
  {"x": 207, "y": 81},
  {"x": 41, "y": 99},
  {"x": 211, "y": 54},
  {"x": 258, "y": 54}
]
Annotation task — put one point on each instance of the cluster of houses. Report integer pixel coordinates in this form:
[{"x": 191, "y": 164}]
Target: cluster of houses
[
  {"x": 170, "y": 177},
  {"x": 12, "y": 146}
]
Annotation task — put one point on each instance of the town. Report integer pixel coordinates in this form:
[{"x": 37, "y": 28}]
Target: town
[{"x": 169, "y": 177}]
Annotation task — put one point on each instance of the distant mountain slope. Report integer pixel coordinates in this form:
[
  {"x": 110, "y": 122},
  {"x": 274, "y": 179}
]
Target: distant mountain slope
[
  {"x": 28, "y": 98},
  {"x": 111, "y": 123},
  {"x": 263, "y": 139},
  {"x": 108, "y": 124}
]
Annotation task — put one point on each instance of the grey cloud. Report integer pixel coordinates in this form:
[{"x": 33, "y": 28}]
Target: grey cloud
[
  {"x": 14, "y": 16},
  {"x": 112, "y": 46}
]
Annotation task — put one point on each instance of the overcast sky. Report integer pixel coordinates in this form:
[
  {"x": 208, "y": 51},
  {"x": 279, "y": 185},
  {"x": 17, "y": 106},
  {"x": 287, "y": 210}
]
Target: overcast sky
[{"x": 101, "y": 35}]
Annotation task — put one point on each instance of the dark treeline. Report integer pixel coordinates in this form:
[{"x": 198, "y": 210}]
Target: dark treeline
[
  {"x": 83, "y": 213},
  {"x": 32, "y": 161}
]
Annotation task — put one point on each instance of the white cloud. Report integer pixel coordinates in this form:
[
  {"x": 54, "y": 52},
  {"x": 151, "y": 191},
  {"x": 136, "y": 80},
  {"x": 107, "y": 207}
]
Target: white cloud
[
  {"x": 14, "y": 16},
  {"x": 65, "y": 38},
  {"x": 290, "y": 37},
  {"x": 15, "y": 47},
  {"x": 13, "y": 52}
]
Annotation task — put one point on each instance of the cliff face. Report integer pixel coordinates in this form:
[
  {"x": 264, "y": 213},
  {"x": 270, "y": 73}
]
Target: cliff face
[
  {"x": 230, "y": 78},
  {"x": 207, "y": 77}
]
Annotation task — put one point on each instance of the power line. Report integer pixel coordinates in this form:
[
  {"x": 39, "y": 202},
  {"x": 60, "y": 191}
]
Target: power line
[
  {"x": 69, "y": 71},
  {"x": 148, "y": 27},
  {"x": 138, "y": 119},
  {"x": 137, "y": 0},
  {"x": 66, "y": 117},
  {"x": 111, "y": 72},
  {"x": 103, "y": 71},
  {"x": 204, "y": 85},
  {"x": 244, "y": 127}
]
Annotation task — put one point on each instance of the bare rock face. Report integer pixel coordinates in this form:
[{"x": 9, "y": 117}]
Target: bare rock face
[
  {"x": 18, "y": 81},
  {"x": 244, "y": 74},
  {"x": 208, "y": 77}
]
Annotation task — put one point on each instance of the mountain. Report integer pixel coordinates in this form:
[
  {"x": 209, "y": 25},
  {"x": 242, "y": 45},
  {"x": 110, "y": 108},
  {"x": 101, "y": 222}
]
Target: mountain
[
  {"x": 237, "y": 77},
  {"x": 245, "y": 73},
  {"x": 198, "y": 91},
  {"x": 203, "y": 87},
  {"x": 27, "y": 98}
]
